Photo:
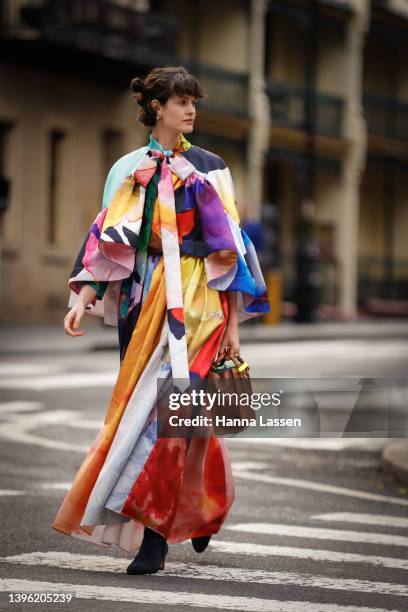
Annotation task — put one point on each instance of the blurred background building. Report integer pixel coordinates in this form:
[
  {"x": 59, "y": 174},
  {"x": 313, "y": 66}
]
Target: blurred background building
[{"x": 307, "y": 102}]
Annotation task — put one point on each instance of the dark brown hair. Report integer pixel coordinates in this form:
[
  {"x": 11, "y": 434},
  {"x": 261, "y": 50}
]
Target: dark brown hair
[{"x": 161, "y": 83}]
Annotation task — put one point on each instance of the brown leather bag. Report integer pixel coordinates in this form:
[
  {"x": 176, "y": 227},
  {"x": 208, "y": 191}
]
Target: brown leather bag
[{"x": 230, "y": 379}]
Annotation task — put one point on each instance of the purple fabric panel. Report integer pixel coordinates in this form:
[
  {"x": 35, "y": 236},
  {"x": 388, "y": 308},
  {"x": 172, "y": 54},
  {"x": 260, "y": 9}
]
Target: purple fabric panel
[{"x": 216, "y": 230}]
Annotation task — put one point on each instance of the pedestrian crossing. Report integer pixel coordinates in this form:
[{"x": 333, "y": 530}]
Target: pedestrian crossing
[
  {"x": 210, "y": 572},
  {"x": 43, "y": 377},
  {"x": 321, "y": 487},
  {"x": 339, "y": 561},
  {"x": 326, "y": 586},
  {"x": 179, "y": 598}
]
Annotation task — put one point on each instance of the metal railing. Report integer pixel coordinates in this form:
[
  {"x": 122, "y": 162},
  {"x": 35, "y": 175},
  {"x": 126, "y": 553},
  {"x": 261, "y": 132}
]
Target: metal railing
[
  {"x": 227, "y": 91},
  {"x": 101, "y": 26},
  {"x": 288, "y": 108},
  {"x": 375, "y": 280},
  {"x": 386, "y": 116}
]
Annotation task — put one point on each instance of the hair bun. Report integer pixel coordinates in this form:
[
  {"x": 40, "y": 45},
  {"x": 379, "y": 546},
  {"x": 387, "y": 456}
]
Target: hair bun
[{"x": 138, "y": 85}]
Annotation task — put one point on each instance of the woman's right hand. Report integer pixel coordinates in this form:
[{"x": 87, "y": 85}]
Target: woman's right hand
[{"x": 73, "y": 319}]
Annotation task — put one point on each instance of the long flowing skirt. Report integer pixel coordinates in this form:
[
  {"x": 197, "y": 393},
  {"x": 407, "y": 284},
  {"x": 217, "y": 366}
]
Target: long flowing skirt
[{"x": 130, "y": 477}]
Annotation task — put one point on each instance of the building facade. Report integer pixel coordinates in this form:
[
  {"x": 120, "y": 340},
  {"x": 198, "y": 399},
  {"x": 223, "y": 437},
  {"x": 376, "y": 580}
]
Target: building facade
[{"x": 305, "y": 101}]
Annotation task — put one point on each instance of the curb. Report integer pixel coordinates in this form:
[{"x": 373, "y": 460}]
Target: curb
[{"x": 395, "y": 459}]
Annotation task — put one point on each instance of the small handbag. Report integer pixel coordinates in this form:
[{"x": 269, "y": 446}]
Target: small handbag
[{"x": 229, "y": 379}]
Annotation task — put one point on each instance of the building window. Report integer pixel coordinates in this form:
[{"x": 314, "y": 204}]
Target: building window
[
  {"x": 112, "y": 148},
  {"x": 5, "y": 130},
  {"x": 5, "y": 179},
  {"x": 56, "y": 152}
]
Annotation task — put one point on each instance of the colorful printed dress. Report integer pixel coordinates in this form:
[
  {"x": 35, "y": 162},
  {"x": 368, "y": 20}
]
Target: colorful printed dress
[{"x": 162, "y": 253}]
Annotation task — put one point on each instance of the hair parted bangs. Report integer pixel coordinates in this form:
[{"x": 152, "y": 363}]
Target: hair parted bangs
[{"x": 162, "y": 83}]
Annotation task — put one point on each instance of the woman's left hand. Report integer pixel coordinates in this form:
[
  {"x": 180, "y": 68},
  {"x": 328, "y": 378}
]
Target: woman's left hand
[{"x": 231, "y": 339}]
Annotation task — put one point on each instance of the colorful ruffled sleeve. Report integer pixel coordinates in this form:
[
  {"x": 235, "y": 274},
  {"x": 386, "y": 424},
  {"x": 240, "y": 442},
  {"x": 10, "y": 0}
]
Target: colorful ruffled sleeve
[
  {"x": 235, "y": 265},
  {"x": 103, "y": 262},
  {"x": 101, "y": 286},
  {"x": 84, "y": 273}
]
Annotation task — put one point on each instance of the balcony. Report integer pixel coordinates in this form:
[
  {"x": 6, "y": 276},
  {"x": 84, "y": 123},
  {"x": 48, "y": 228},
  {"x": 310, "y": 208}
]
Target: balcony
[
  {"x": 386, "y": 116},
  {"x": 96, "y": 27},
  {"x": 288, "y": 105},
  {"x": 227, "y": 91},
  {"x": 396, "y": 8}
]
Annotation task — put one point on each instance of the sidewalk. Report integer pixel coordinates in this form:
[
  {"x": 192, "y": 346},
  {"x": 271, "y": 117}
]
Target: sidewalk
[{"x": 43, "y": 339}]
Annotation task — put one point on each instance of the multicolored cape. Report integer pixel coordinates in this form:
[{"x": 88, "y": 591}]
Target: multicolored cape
[{"x": 171, "y": 310}]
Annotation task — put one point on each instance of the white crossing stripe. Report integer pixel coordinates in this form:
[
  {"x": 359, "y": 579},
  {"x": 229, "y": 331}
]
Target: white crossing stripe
[
  {"x": 364, "y": 519},
  {"x": 179, "y": 598},
  {"x": 249, "y": 465},
  {"x": 55, "y": 486},
  {"x": 19, "y": 429},
  {"x": 318, "y": 533},
  {"x": 70, "y": 380},
  {"x": 98, "y": 563},
  {"x": 317, "y": 486},
  {"x": 312, "y": 554},
  {"x": 330, "y": 443},
  {"x": 63, "y": 486},
  {"x": 19, "y": 406},
  {"x": 29, "y": 369}
]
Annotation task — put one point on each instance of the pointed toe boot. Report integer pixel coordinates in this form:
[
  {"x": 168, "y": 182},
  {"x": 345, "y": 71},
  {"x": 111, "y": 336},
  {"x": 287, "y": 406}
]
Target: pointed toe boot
[
  {"x": 151, "y": 555},
  {"x": 201, "y": 543}
]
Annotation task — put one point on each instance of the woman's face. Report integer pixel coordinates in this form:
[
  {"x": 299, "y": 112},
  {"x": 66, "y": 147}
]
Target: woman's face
[{"x": 178, "y": 113}]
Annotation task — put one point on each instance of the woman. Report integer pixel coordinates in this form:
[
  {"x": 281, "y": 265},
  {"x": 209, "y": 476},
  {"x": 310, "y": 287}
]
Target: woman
[{"x": 166, "y": 261}]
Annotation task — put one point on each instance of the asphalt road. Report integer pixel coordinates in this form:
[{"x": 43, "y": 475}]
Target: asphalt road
[{"x": 316, "y": 524}]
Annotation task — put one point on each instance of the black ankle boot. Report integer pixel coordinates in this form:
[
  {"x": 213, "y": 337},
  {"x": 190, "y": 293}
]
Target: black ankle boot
[
  {"x": 150, "y": 556},
  {"x": 201, "y": 543}
]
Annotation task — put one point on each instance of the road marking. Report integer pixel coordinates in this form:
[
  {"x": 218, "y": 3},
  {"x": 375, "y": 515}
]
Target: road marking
[
  {"x": 331, "y": 444},
  {"x": 318, "y": 533},
  {"x": 365, "y": 519},
  {"x": 56, "y": 485},
  {"x": 18, "y": 428},
  {"x": 340, "y": 350},
  {"x": 317, "y": 486},
  {"x": 64, "y": 486},
  {"x": 12, "y": 408},
  {"x": 86, "y": 424},
  {"x": 326, "y": 556},
  {"x": 76, "y": 420},
  {"x": 97, "y": 563},
  {"x": 249, "y": 465},
  {"x": 69, "y": 380},
  {"x": 11, "y": 368},
  {"x": 311, "y": 554},
  {"x": 9, "y": 492},
  {"x": 180, "y": 598}
]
